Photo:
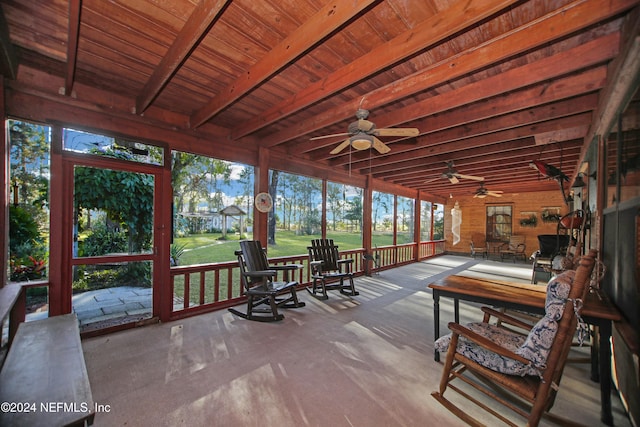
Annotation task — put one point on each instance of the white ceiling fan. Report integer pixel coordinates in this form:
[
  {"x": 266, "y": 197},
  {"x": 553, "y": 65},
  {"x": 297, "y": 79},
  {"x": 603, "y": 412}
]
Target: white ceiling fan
[
  {"x": 483, "y": 192},
  {"x": 363, "y": 134},
  {"x": 453, "y": 176}
]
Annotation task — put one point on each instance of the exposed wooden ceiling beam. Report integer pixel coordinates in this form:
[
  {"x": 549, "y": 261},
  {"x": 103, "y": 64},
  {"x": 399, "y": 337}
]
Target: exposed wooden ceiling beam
[
  {"x": 489, "y": 127},
  {"x": 625, "y": 73},
  {"x": 560, "y": 23},
  {"x": 451, "y": 149},
  {"x": 196, "y": 27},
  {"x": 593, "y": 78},
  {"x": 567, "y": 87},
  {"x": 561, "y": 135},
  {"x": 462, "y": 14},
  {"x": 75, "y": 11},
  {"x": 321, "y": 25},
  {"x": 558, "y": 65},
  {"x": 8, "y": 58},
  {"x": 476, "y": 161},
  {"x": 492, "y": 158}
]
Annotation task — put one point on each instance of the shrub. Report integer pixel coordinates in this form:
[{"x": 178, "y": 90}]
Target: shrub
[{"x": 103, "y": 241}]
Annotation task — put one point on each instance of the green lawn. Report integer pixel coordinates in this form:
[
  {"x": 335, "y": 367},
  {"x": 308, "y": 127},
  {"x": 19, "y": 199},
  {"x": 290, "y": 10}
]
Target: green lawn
[{"x": 207, "y": 248}]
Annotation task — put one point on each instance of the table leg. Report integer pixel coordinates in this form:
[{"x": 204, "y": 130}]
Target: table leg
[
  {"x": 605, "y": 373},
  {"x": 436, "y": 322},
  {"x": 595, "y": 353},
  {"x": 456, "y": 310}
]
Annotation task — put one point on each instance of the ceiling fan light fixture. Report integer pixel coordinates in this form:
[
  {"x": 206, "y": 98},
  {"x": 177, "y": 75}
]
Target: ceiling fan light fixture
[{"x": 361, "y": 142}]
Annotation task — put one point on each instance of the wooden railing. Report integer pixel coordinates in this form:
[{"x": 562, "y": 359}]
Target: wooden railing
[{"x": 207, "y": 287}]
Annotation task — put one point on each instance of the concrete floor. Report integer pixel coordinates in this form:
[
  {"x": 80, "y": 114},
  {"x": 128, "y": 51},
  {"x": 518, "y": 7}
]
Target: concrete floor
[{"x": 361, "y": 361}]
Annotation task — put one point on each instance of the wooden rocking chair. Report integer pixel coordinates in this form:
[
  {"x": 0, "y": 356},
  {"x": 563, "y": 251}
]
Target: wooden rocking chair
[
  {"x": 327, "y": 268},
  {"x": 257, "y": 278},
  {"x": 522, "y": 372}
]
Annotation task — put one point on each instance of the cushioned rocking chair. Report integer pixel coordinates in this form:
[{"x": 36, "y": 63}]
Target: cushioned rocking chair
[
  {"x": 520, "y": 371},
  {"x": 258, "y": 280},
  {"x": 328, "y": 271}
]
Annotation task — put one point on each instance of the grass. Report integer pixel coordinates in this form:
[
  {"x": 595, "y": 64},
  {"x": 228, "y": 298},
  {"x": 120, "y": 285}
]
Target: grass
[{"x": 207, "y": 248}]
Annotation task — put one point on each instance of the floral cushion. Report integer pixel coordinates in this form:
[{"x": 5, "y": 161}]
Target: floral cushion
[
  {"x": 538, "y": 344},
  {"x": 497, "y": 334},
  {"x": 534, "y": 347}
]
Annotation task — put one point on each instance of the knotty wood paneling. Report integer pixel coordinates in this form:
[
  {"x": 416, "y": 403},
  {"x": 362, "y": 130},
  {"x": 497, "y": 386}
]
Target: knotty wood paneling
[{"x": 474, "y": 216}]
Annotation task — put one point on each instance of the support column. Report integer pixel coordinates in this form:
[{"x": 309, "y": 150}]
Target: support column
[
  {"x": 366, "y": 221},
  {"x": 261, "y": 185}
]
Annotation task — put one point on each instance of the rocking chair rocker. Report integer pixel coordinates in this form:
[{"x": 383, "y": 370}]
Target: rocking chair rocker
[
  {"x": 257, "y": 278},
  {"x": 522, "y": 372}
]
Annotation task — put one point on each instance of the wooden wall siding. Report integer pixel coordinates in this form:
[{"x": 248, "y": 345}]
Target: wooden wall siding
[{"x": 474, "y": 214}]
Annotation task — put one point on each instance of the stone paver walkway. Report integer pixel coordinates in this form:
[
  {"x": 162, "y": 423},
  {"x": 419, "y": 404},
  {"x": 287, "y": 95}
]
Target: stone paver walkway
[{"x": 106, "y": 304}]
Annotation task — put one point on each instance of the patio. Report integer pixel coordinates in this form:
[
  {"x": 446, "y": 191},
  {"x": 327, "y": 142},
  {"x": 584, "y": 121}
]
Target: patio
[{"x": 366, "y": 361}]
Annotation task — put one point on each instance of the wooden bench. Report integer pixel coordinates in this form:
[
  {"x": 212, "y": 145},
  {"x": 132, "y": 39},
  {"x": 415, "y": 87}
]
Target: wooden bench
[{"x": 44, "y": 378}]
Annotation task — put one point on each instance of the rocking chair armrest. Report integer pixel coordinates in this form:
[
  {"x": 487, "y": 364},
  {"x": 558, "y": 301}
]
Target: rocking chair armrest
[
  {"x": 347, "y": 262},
  {"x": 521, "y": 247},
  {"x": 260, "y": 273},
  {"x": 484, "y": 342},
  {"x": 504, "y": 318},
  {"x": 287, "y": 267}
]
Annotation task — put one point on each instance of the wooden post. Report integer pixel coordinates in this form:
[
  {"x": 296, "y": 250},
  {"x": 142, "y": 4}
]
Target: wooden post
[
  {"x": 60, "y": 231},
  {"x": 261, "y": 185},
  {"x": 366, "y": 221},
  {"x": 416, "y": 225}
]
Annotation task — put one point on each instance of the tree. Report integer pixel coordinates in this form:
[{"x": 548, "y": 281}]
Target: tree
[
  {"x": 354, "y": 211},
  {"x": 126, "y": 197},
  {"x": 335, "y": 196},
  {"x": 380, "y": 201},
  {"x": 30, "y": 166}
]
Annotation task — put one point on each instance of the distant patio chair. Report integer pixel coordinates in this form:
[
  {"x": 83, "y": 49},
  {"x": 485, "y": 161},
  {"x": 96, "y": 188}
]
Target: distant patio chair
[
  {"x": 514, "y": 248},
  {"x": 478, "y": 245}
]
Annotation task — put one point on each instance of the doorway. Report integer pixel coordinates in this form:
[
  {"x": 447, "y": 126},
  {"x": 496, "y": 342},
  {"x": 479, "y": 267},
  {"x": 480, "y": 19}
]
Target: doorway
[{"x": 112, "y": 226}]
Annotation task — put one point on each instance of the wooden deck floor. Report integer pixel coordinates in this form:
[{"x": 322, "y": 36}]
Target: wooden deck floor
[{"x": 362, "y": 361}]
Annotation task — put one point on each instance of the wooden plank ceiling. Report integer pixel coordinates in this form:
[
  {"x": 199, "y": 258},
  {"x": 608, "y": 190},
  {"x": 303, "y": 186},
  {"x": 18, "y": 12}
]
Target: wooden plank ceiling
[{"x": 491, "y": 85}]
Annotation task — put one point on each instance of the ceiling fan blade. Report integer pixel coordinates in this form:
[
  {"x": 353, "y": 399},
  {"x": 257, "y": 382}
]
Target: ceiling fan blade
[
  {"x": 471, "y": 177},
  {"x": 453, "y": 179},
  {"x": 380, "y": 146},
  {"x": 398, "y": 132},
  {"x": 328, "y": 136},
  {"x": 491, "y": 193},
  {"x": 432, "y": 180},
  {"x": 341, "y": 147}
]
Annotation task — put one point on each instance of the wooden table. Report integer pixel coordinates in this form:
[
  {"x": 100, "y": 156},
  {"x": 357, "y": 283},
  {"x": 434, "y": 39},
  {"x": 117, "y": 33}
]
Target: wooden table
[{"x": 597, "y": 311}]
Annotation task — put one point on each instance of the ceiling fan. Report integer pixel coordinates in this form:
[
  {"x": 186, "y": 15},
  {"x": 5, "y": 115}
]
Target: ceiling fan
[
  {"x": 453, "y": 176},
  {"x": 483, "y": 192},
  {"x": 363, "y": 134}
]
